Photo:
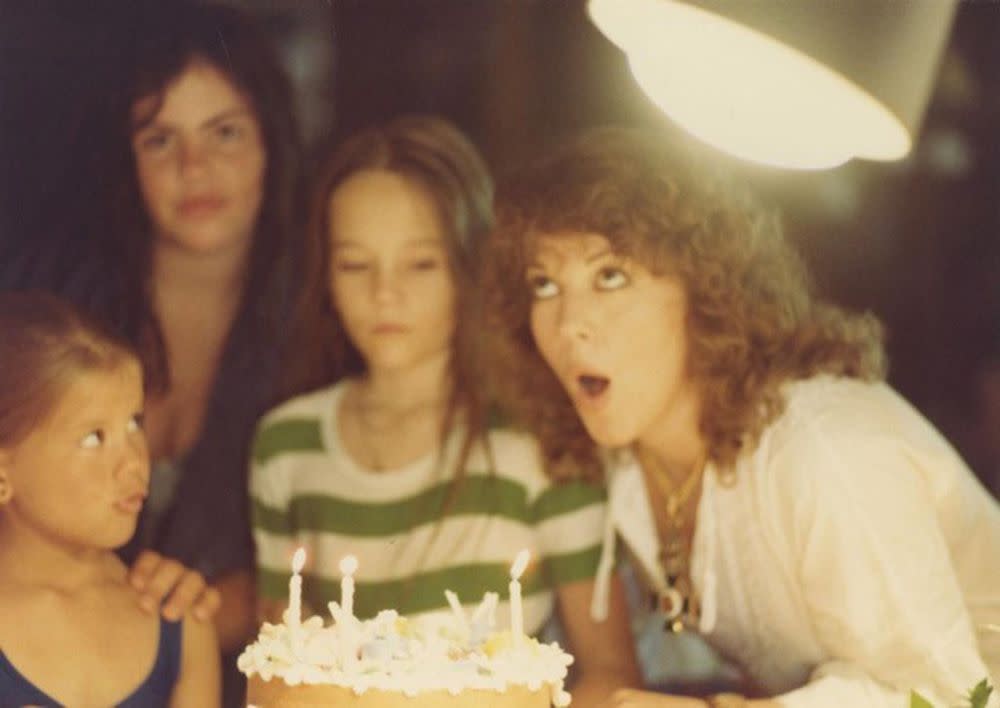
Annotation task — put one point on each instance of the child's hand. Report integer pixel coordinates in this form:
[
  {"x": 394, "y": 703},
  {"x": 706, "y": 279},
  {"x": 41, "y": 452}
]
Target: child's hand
[{"x": 156, "y": 577}]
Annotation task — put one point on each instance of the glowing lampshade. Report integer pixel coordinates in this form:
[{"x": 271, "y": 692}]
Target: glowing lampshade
[{"x": 794, "y": 83}]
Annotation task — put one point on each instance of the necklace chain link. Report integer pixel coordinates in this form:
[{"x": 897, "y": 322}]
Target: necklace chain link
[{"x": 678, "y": 603}]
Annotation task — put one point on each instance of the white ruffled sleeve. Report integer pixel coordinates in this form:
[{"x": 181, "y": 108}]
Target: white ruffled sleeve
[{"x": 875, "y": 571}]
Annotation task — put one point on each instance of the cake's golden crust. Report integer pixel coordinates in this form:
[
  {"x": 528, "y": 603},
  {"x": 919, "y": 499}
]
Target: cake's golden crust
[{"x": 277, "y": 694}]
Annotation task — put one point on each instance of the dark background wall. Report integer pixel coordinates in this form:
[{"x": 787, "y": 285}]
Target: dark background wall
[{"x": 918, "y": 242}]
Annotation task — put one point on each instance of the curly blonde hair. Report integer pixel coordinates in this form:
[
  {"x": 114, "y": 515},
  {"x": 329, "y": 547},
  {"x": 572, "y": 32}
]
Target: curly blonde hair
[{"x": 752, "y": 323}]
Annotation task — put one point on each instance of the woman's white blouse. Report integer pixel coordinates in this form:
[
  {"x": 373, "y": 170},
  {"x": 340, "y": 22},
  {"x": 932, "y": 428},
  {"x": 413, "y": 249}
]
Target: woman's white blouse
[{"x": 851, "y": 558}]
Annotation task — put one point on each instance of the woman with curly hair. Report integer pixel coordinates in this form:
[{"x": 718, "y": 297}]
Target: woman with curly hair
[{"x": 773, "y": 492}]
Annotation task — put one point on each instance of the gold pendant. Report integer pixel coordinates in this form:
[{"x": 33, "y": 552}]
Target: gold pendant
[
  {"x": 671, "y": 603},
  {"x": 678, "y": 605}
]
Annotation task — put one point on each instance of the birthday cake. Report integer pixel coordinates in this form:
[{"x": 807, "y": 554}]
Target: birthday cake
[{"x": 441, "y": 660}]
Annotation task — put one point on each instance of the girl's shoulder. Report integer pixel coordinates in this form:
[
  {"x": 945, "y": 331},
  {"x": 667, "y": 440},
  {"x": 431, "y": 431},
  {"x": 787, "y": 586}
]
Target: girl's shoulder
[
  {"x": 839, "y": 433},
  {"x": 103, "y": 613},
  {"x": 296, "y": 425},
  {"x": 838, "y": 407},
  {"x": 10, "y": 605},
  {"x": 510, "y": 455},
  {"x": 517, "y": 456},
  {"x": 515, "y": 453}
]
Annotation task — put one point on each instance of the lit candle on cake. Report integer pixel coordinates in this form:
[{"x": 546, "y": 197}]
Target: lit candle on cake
[
  {"x": 516, "y": 612},
  {"x": 294, "y": 618},
  {"x": 348, "y": 565}
]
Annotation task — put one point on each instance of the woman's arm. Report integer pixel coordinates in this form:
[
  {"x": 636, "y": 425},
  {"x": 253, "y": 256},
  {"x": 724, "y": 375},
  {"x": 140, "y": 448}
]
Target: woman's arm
[
  {"x": 604, "y": 652},
  {"x": 875, "y": 568},
  {"x": 199, "y": 682}
]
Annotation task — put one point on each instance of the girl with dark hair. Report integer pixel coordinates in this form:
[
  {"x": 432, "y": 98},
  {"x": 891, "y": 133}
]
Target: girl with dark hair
[
  {"x": 397, "y": 461},
  {"x": 209, "y": 249},
  {"x": 74, "y": 471},
  {"x": 773, "y": 492}
]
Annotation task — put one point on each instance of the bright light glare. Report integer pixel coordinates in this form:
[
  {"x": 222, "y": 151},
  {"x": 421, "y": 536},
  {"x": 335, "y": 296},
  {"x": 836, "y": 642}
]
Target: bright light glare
[{"x": 746, "y": 93}]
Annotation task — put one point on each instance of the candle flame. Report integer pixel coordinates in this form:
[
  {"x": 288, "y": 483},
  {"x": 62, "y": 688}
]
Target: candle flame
[
  {"x": 348, "y": 565},
  {"x": 520, "y": 563},
  {"x": 298, "y": 560}
]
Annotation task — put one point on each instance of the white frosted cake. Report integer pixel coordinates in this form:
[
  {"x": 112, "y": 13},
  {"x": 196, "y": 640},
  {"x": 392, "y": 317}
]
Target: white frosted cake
[{"x": 444, "y": 660}]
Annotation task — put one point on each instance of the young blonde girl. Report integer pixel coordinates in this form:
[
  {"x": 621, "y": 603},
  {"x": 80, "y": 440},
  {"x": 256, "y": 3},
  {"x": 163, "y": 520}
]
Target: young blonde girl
[
  {"x": 74, "y": 472},
  {"x": 396, "y": 462}
]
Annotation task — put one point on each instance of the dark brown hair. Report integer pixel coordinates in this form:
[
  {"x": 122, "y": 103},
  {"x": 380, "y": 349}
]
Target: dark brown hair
[
  {"x": 753, "y": 322},
  {"x": 169, "y": 39},
  {"x": 45, "y": 343}
]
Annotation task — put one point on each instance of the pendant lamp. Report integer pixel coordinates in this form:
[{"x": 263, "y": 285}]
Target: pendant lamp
[{"x": 794, "y": 83}]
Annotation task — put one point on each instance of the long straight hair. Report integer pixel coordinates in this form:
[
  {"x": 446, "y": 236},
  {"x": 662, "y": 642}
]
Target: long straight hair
[
  {"x": 169, "y": 38},
  {"x": 437, "y": 156}
]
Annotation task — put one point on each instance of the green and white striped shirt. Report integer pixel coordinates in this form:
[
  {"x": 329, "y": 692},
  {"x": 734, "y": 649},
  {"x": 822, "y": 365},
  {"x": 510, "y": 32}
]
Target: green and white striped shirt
[{"x": 306, "y": 491}]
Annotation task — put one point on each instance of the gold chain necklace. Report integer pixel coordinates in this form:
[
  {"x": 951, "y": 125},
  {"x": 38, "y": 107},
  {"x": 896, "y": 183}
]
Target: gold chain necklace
[{"x": 678, "y": 603}]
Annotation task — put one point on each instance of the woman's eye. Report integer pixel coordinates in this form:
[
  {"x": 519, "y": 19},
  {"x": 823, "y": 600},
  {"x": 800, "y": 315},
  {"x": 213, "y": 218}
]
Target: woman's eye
[
  {"x": 93, "y": 439},
  {"x": 424, "y": 264},
  {"x": 611, "y": 278},
  {"x": 542, "y": 288},
  {"x": 228, "y": 132},
  {"x": 350, "y": 266},
  {"x": 136, "y": 423},
  {"x": 154, "y": 142}
]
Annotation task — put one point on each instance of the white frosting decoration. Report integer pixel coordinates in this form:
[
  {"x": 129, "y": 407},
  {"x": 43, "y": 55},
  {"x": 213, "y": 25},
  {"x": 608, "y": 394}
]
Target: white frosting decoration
[{"x": 432, "y": 652}]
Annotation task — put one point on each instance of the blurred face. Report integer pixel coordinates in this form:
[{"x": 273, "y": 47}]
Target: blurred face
[
  {"x": 80, "y": 478},
  {"x": 390, "y": 280},
  {"x": 200, "y": 161},
  {"x": 614, "y": 334}
]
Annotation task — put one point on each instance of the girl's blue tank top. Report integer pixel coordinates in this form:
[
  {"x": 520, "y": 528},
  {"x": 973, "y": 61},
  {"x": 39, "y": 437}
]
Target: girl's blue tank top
[{"x": 154, "y": 692}]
